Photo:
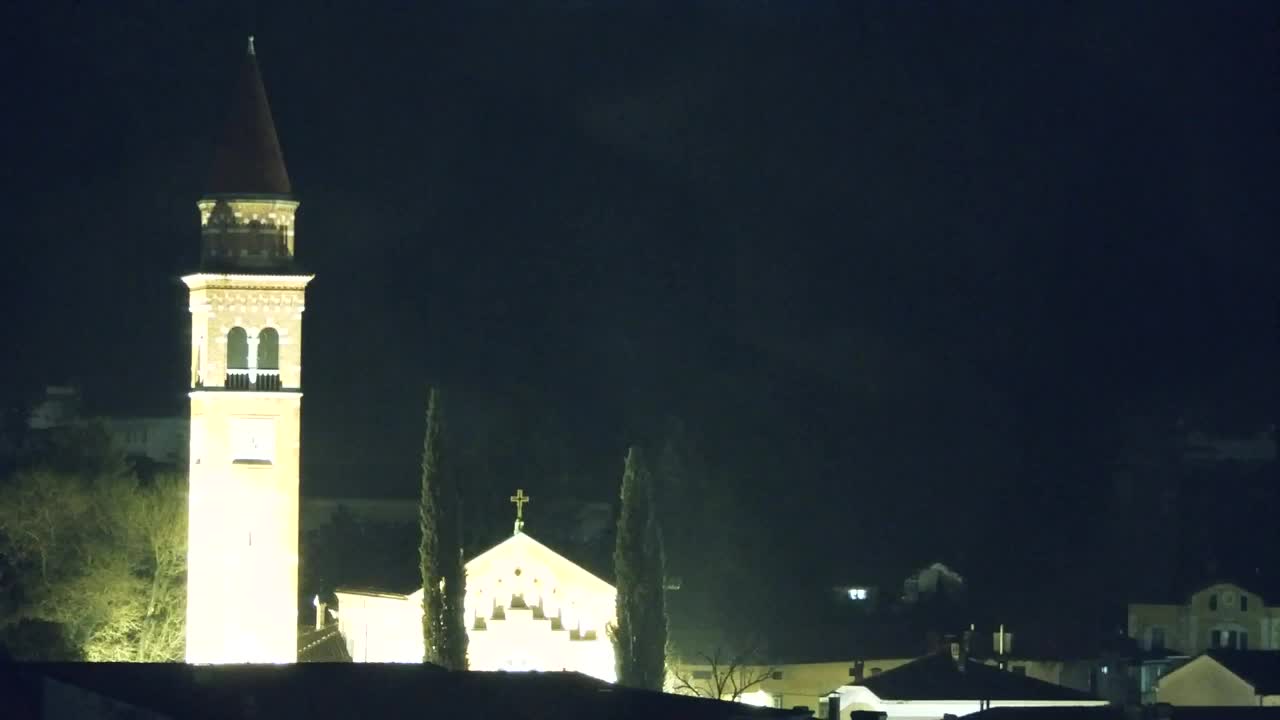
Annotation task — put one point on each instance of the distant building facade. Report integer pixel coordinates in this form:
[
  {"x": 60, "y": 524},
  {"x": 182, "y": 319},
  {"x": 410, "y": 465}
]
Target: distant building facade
[
  {"x": 160, "y": 439},
  {"x": 59, "y": 407},
  {"x": 1221, "y": 615}
]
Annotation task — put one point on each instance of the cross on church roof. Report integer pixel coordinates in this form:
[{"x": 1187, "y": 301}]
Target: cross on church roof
[{"x": 519, "y": 499}]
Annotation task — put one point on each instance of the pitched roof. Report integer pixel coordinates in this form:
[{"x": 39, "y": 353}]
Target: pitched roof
[
  {"x": 323, "y": 690},
  {"x": 518, "y": 544},
  {"x": 1103, "y": 712},
  {"x": 247, "y": 159},
  {"x": 938, "y": 677},
  {"x": 1259, "y": 668},
  {"x": 323, "y": 645},
  {"x": 1114, "y": 712}
]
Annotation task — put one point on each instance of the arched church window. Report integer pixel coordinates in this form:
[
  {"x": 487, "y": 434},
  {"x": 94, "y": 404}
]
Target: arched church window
[
  {"x": 237, "y": 349},
  {"x": 268, "y": 349}
]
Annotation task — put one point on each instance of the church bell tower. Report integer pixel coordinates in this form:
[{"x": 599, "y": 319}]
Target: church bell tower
[{"x": 246, "y": 396}]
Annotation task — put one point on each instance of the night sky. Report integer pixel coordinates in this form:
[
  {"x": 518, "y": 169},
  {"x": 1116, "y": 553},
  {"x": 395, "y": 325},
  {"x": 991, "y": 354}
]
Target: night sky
[{"x": 902, "y": 269}]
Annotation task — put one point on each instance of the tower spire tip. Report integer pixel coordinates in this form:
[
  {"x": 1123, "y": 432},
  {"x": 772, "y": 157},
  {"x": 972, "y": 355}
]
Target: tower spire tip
[{"x": 251, "y": 52}]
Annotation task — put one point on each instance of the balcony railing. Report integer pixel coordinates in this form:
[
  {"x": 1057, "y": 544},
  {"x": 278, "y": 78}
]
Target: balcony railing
[{"x": 252, "y": 379}]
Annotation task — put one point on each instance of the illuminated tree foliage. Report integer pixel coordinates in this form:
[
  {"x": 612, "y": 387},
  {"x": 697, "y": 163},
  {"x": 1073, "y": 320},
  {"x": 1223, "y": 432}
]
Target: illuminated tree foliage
[
  {"x": 99, "y": 559},
  {"x": 440, "y": 553},
  {"x": 640, "y": 636}
]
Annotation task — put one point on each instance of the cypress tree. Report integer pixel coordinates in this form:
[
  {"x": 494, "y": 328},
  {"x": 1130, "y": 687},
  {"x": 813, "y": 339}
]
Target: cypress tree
[
  {"x": 429, "y": 523},
  {"x": 444, "y": 636},
  {"x": 453, "y": 636},
  {"x": 640, "y": 635}
]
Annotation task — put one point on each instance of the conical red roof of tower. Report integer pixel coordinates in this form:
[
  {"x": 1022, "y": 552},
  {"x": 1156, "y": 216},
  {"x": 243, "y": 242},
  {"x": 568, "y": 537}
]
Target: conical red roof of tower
[{"x": 247, "y": 160}]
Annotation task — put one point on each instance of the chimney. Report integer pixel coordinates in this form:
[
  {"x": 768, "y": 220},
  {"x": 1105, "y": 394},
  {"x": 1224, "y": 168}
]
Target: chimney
[
  {"x": 960, "y": 650},
  {"x": 320, "y": 610},
  {"x": 1002, "y": 642},
  {"x": 832, "y": 706}
]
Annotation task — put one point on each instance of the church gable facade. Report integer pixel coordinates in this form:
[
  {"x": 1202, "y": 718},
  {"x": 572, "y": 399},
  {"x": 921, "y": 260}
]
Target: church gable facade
[{"x": 527, "y": 608}]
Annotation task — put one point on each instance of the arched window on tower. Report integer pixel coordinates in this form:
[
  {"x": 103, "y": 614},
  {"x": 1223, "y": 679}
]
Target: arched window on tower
[
  {"x": 237, "y": 359},
  {"x": 268, "y": 375}
]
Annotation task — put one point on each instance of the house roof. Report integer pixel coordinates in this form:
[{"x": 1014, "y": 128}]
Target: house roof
[
  {"x": 323, "y": 645},
  {"x": 1259, "y": 668},
  {"x": 938, "y": 677},
  {"x": 327, "y": 690},
  {"x": 1114, "y": 712},
  {"x": 1099, "y": 712},
  {"x": 1255, "y": 582},
  {"x": 247, "y": 159}
]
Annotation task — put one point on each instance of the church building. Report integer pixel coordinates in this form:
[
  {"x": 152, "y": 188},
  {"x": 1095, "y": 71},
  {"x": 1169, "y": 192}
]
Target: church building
[{"x": 527, "y": 608}]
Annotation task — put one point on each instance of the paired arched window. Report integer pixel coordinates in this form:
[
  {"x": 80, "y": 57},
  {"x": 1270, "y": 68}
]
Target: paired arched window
[
  {"x": 269, "y": 349},
  {"x": 237, "y": 349},
  {"x": 253, "y": 364}
]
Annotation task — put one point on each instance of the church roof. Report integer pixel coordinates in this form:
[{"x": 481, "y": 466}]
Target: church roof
[
  {"x": 518, "y": 544},
  {"x": 523, "y": 542},
  {"x": 247, "y": 159}
]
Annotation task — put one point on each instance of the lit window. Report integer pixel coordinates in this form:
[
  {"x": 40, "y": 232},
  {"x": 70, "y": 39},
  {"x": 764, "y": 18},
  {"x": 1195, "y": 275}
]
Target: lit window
[
  {"x": 1229, "y": 639},
  {"x": 857, "y": 593}
]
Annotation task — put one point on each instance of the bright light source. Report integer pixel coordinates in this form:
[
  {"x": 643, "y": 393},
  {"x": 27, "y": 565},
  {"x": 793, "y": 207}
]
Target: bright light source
[
  {"x": 857, "y": 593},
  {"x": 759, "y": 698}
]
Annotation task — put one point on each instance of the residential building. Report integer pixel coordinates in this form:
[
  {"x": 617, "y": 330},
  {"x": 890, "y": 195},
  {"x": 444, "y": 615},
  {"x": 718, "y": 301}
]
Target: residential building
[
  {"x": 1220, "y": 615},
  {"x": 950, "y": 683},
  {"x": 783, "y": 685},
  {"x": 159, "y": 439},
  {"x": 1225, "y": 678}
]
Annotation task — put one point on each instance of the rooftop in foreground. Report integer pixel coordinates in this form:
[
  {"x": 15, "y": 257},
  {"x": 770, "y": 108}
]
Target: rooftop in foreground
[{"x": 325, "y": 690}]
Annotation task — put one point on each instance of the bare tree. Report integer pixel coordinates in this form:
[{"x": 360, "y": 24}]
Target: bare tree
[{"x": 722, "y": 674}]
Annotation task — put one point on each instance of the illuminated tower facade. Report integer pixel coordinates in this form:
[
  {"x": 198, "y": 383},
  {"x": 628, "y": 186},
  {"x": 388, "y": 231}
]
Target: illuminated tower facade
[{"x": 246, "y": 397}]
